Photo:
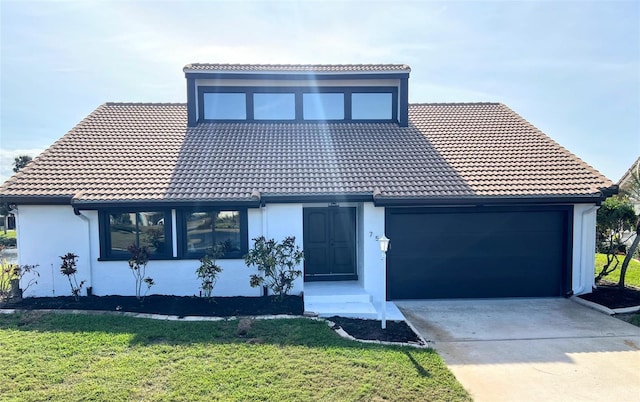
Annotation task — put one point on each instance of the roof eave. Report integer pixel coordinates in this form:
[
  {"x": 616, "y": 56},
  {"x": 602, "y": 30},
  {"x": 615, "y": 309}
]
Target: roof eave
[{"x": 489, "y": 200}]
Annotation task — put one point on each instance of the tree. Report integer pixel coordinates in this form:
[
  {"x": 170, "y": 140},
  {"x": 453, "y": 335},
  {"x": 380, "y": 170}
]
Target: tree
[
  {"x": 614, "y": 217},
  {"x": 632, "y": 190},
  {"x": 20, "y": 161}
]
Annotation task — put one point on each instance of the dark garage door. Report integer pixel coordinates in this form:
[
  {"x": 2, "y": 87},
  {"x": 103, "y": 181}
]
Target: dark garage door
[{"x": 477, "y": 252}]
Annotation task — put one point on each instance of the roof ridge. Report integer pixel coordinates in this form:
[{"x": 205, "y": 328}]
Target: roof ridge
[
  {"x": 453, "y": 103},
  {"x": 145, "y": 104},
  {"x": 399, "y": 65}
]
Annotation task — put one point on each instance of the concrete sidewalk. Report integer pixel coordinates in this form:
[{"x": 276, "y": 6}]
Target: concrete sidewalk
[{"x": 532, "y": 349}]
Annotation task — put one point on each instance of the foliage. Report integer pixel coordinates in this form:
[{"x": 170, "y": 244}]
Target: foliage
[
  {"x": 20, "y": 162},
  {"x": 632, "y": 277},
  {"x": 633, "y": 192},
  {"x": 76, "y": 357},
  {"x": 7, "y": 241},
  {"x": 9, "y": 272},
  {"x": 138, "y": 265},
  {"x": 68, "y": 269},
  {"x": 614, "y": 217},
  {"x": 208, "y": 270},
  {"x": 276, "y": 262}
]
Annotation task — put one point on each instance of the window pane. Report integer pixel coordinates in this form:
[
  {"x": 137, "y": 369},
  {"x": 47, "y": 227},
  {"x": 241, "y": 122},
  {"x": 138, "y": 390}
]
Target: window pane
[
  {"x": 122, "y": 228},
  {"x": 228, "y": 230},
  {"x": 323, "y": 106},
  {"x": 371, "y": 106},
  {"x": 199, "y": 231},
  {"x": 151, "y": 226},
  {"x": 270, "y": 106},
  {"x": 225, "y": 106}
]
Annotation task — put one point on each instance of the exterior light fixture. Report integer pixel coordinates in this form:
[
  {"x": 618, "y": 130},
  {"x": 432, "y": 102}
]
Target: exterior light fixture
[{"x": 384, "y": 246}]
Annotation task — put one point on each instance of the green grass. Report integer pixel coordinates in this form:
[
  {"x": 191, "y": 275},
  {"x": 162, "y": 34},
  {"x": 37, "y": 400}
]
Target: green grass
[
  {"x": 11, "y": 234},
  {"x": 104, "y": 357},
  {"x": 633, "y": 272}
]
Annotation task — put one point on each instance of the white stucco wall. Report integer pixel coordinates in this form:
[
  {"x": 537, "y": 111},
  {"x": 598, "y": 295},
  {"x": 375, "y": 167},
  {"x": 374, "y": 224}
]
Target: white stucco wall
[
  {"x": 47, "y": 232},
  {"x": 44, "y": 233},
  {"x": 372, "y": 264},
  {"x": 584, "y": 240}
]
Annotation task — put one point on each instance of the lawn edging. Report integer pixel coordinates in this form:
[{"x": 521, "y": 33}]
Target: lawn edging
[
  {"x": 605, "y": 309},
  {"x": 163, "y": 317}
]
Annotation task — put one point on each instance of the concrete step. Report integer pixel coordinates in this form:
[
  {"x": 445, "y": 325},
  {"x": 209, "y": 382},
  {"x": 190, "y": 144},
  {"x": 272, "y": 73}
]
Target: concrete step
[
  {"x": 360, "y": 297},
  {"x": 349, "y": 310}
]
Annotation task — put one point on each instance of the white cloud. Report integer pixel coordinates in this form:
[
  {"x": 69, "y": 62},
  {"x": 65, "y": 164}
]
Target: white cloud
[{"x": 7, "y": 157}]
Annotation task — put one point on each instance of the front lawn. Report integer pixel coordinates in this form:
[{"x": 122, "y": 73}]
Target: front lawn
[
  {"x": 633, "y": 272},
  {"x": 105, "y": 357}
]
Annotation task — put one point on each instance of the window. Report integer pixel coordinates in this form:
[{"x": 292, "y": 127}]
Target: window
[
  {"x": 274, "y": 106},
  {"x": 371, "y": 106},
  {"x": 225, "y": 106},
  {"x": 121, "y": 229},
  {"x": 298, "y": 103},
  {"x": 323, "y": 106},
  {"x": 202, "y": 229}
]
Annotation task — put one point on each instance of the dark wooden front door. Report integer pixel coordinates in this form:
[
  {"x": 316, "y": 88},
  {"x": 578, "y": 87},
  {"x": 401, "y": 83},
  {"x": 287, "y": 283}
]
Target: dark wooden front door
[{"x": 329, "y": 244}]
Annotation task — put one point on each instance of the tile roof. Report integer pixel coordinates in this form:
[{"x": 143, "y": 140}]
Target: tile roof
[
  {"x": 322, "y": 68},
  {"x": 127, "y": 151}
]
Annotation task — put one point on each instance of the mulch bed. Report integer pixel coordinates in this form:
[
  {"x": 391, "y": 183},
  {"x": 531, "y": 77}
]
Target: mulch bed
[
  {"x": 610, "y": 296},
  {"x": 171, "y": 305},
  {"x": 396, "y": 331}
]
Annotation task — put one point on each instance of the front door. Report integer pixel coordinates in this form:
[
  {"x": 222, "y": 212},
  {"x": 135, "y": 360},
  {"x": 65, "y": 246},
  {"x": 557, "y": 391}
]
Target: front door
[{"x": 329, "y": 244}]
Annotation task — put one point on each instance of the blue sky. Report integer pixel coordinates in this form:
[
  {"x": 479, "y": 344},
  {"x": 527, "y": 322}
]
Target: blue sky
[{"x": 570, "y": 68}]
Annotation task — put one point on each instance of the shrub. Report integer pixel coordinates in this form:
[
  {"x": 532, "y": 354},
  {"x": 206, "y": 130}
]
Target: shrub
[
  {"x": 208, "y": 270},
  {"x": 68, "y": 269},
  {"x": 276, "y": 263},
  {"x": 138, "y": 265},
  {"x": 10, "y": 272},
  {"x": 8, "y": 241}
]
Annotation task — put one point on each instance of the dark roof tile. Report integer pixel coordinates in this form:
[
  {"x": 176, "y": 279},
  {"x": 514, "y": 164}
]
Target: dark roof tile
[
  {"x": 318, "y": 68},
  {"x": 125, "y": 151}
]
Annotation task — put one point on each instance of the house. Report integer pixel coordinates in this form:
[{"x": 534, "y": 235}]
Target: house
[
  {"x": 628, "y": 180},
  {"x": 477, "y": 202}
]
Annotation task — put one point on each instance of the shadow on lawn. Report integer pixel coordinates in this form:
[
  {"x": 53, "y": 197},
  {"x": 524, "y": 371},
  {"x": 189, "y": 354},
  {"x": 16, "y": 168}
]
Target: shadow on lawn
[{"x": 280, "y": 332}]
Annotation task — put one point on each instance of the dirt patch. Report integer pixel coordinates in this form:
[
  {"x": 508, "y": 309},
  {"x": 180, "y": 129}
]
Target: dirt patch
[
  {"x": 610, "y": 296},
  {"x": 396, "y": 331},
  {"x": 171, "y": 305}
]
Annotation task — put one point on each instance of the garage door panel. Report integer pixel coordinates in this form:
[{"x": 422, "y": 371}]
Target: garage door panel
[{"x": 487, "y": 253}]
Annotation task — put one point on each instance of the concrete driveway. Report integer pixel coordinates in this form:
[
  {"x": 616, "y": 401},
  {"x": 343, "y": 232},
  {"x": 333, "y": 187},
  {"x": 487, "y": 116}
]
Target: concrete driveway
[{"x": 532, "y": 349}]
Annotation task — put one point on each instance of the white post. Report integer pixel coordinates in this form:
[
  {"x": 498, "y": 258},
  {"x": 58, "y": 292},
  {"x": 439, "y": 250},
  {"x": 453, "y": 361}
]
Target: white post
[
  {"x": 384, "y": 290},
  {"x": 384, "y": 246}
]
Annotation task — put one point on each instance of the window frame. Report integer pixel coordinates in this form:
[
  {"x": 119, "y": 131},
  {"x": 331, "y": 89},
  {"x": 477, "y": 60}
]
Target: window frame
[
  {"x": 181, "y": 223},
  {"x": 298, "y": 92},
  {"x": 104, "y": 229}
]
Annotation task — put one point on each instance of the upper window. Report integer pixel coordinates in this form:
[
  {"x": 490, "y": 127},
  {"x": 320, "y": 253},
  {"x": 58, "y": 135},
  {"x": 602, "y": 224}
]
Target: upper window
[
  {"x": 123, "y": 229},
  {"x": 203, "y": 229},
  {"x": 274, "y": 106},
  {"x": 225, "y": 106},
  {"x": 298, "y": 104},
  {"x": 371, "y": 106},
  {"x": 323, "y": 106}
]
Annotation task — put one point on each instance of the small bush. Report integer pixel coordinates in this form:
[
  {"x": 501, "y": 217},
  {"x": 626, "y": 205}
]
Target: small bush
[
  {"x": 8, "y": 241},
  {"x": 138, "y": 265},
  {"x": 9, "y": 272},
  {"x": 276, "y": 263},
  {"x": 68, "y": 269},
  {"x": 208, "y": 270}
]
